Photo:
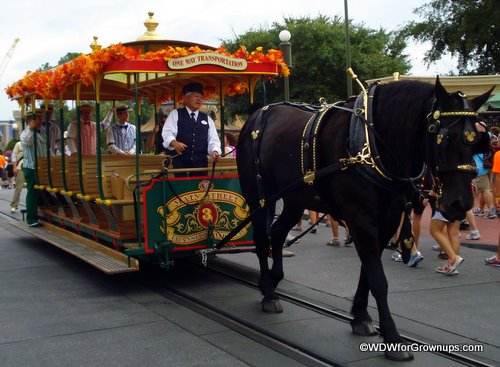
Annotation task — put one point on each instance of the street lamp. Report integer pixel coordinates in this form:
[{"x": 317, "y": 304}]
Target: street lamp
[
  {"x": 347, "y": 48},
  {"x": 286, "y": 48}
]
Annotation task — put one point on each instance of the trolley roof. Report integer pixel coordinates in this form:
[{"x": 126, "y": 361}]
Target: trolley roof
[{"x": 160, "y": 68}]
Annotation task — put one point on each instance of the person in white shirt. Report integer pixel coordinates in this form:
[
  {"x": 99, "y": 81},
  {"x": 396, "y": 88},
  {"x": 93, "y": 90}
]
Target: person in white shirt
[
  {"x": 191, "y": 133},
  {"x": 121, "y": 136}
]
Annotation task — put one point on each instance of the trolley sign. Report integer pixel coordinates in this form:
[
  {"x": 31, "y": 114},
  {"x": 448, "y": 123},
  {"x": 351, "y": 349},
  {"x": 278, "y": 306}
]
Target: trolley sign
[
  {"x": 187, "y": 212},
  {"x": 207, "y": 58}
]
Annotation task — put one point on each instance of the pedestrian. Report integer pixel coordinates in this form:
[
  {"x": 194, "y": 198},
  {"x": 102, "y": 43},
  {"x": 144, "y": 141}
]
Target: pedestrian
[
  {"x": 17, "y": 162},
  {"x": 482, "y": 184},
  {"x": 447, "y": 235},
  {"x": 34, "y": 144},
  {"x": 495, "y": 169},
  {"x": 3, "y": 175},
  {"x": 9, "y": 169},
  {"x": 474, "y": 233},
  {"x": 229, "y": 145},
  {"x": 335, "y": 232}
]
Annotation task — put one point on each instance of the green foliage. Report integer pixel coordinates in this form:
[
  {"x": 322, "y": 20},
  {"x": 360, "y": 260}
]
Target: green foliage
[
  {"x": 466, "y": 29},
  {"x": 68, "y": 57},
  {"x": 318, "y": 58},
  {"x": 10, "y": 144},
  {"x": 45, "y": 67}
]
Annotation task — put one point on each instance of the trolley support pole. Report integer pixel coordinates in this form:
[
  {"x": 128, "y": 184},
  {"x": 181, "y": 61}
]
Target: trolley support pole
[{"x": 97, "y": 87}]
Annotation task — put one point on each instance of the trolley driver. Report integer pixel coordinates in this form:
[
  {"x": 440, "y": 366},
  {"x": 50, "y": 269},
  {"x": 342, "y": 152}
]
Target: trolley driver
[{"x": 191, "y": 133}]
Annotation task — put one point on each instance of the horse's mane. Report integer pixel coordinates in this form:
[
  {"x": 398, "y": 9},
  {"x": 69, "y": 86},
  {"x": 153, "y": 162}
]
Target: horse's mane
[
  {"x": 400, "y": 115},
  {"x": 408, "y": 97},
  {"x": 254, "y": 107}
]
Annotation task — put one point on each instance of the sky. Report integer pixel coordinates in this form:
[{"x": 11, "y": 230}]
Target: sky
[{"x": 50, "y": 29}]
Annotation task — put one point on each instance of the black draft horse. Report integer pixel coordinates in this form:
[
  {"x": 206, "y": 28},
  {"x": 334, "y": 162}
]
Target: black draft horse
[{"x": 365, "y": 184}]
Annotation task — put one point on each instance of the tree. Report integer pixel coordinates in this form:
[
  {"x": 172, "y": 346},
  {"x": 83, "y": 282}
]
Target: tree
[
  {"x": 318, "y": 57},
  {"x": 68, "y": 57},
  {"x": 463, "y": 28}
]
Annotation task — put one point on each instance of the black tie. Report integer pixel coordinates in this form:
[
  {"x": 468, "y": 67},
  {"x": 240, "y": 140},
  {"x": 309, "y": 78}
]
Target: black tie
[{"x": 192, "y": 117}]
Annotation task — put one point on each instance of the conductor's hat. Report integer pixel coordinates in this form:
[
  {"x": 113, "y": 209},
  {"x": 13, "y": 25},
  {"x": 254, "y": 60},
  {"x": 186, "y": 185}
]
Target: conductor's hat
[
  {"x": 121, "y": 109},
  {"x": 192, "y": 87}
]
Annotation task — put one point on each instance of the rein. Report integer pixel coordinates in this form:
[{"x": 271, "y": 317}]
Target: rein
[{"x": 166, "y": 162}]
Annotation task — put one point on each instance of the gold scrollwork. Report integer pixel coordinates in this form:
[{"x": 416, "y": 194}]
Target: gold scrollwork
[
  {"x": 255, "y": 134},
  {"x": 436, "y": 114},
  {"x": 439, "y": 138},
  {"x": 365, "y": 156}
]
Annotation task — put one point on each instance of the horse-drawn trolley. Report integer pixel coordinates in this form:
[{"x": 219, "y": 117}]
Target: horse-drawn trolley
[{"x": 115, "y": 210}]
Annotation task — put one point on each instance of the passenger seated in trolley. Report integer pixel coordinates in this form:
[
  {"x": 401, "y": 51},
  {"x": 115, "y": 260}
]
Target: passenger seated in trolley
[
  {"x": 120, "y": 137},
  {"x": 87, "y": 131},
  {"x": 191, "y": 133},
  {"x": 54, "y": 131},
  {"x": 155, "y": 140}
]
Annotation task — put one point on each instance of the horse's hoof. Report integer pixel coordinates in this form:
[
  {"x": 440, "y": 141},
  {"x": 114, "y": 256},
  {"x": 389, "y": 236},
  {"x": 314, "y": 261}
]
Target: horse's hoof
[
  {"x": 400, "y": 356},
  {"x": 364, "y": 328},
  {"x": 272, "y": 306}
]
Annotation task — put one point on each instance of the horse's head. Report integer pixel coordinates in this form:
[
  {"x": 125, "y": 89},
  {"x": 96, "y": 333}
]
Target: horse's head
[{"x": 453, "y": 140}]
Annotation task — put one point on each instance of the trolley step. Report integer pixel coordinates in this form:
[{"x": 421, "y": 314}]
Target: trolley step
[{"x": 103, "y": 258}]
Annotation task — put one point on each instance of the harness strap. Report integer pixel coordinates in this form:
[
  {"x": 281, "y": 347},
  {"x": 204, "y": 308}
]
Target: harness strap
[
  {"x": 309, "y": 143},
  {"x": 258, "y": 129}
]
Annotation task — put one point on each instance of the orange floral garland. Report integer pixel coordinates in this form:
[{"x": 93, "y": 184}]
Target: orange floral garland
[{"x": 84, "y": 68}]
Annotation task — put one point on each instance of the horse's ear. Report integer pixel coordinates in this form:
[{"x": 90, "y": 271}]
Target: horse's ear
[
  {"x": 441, "y": 93},
  {"x": 479, "y": 101}
]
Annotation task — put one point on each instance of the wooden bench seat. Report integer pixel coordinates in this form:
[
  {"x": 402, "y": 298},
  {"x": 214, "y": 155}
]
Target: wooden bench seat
[
  {"x": 111, "y": 166},
  {"x": 114, "y": 214}
]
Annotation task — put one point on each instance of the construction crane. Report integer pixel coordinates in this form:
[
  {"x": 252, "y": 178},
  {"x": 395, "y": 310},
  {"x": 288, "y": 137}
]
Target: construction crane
[{"x": 8, "y": 56}]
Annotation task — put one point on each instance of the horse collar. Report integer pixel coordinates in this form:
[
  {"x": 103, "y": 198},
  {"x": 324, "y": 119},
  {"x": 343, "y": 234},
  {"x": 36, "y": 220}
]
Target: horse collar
[
  {"x": 363, "y": 152},
  {"x": 362, "y": 141}
]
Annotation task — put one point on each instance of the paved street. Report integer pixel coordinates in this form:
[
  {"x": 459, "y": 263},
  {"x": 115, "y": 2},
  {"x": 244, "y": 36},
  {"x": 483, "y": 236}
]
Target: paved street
[{"x": 57, "y": 311}]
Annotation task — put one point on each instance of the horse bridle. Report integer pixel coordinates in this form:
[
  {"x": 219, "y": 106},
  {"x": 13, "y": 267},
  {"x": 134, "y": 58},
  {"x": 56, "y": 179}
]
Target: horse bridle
[{"x": 438, "y": 136}]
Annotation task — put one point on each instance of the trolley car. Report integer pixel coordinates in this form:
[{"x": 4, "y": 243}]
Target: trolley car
[{"x": 114, "y": 211}]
